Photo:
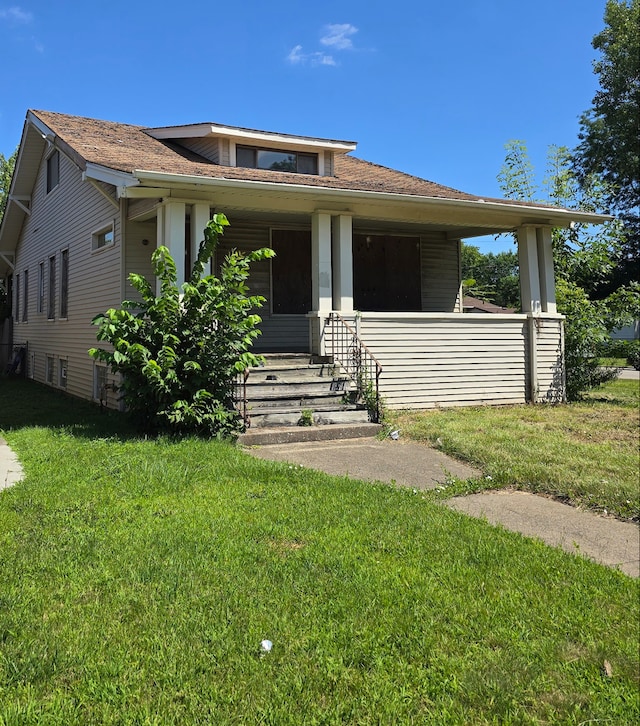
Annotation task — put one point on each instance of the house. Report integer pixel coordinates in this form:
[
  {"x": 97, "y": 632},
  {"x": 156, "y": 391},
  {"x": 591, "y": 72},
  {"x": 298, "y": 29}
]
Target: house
[
  {"x": 357, "y": 245},
  {"x": 474, "y": 305}
]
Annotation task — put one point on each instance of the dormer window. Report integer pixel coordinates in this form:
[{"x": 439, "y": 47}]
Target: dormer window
[{"x": 252, "y": 157}]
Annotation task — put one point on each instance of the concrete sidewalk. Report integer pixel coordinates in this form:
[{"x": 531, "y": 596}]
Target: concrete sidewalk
[
  {"x": 10, "y": 469},
  {"x": 603, "y": 539}
]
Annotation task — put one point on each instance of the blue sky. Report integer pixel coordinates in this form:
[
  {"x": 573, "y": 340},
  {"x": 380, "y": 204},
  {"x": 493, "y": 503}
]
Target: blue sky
[{"x": 428, "y": 87}]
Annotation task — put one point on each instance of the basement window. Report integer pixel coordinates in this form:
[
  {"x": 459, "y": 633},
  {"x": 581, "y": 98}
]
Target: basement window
[{"x": 252, "y": 157}]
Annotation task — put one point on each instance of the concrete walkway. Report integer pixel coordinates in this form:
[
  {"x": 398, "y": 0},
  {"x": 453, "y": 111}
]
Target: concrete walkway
[
  {"x": 603, "y": 539},
  {"x": 10, "y": 469}
]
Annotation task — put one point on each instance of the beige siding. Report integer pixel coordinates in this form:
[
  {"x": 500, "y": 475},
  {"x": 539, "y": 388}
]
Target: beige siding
[
  {"x": 430, "y": 360},
  {"x": 550, "y": 359},
  {"x": 65, "y": 219},
  {"x": 137, "y": 256},
  {"x": 209, "y": 148},
  {"x": 440, "y": 263},
  {"x": 279, "y": 332}
]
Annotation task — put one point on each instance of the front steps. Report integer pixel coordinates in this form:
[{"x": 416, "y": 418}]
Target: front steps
[{"x": 294, "y": 398}]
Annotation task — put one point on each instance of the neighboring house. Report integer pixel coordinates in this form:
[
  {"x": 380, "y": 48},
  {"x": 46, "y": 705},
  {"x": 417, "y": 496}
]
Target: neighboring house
[
  {"x": 629, "y": 332},
  {"x": 475, "y": 305},
  {"x": 91, "y": 199}
]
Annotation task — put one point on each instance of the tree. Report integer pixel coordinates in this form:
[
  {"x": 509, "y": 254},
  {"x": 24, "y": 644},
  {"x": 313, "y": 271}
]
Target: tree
[
  {"x": 610, "y": 130},
  {"x": 585, "y": 258},
  {"x": 495, "y": 276},
  {"x": 179, "y": 353},
  {"x": 6, "y": 173}
]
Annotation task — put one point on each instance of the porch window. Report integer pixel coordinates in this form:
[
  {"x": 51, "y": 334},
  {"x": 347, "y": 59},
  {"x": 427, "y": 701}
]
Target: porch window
[
  {"x": 386, "y": 273},
  {"x": 41, "y": 287},
  {"x": 297, "y": 162}
]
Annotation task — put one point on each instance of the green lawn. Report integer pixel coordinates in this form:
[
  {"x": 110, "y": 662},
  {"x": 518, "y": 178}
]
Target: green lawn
[
  {"x": 138, "y": 579},
  {"x": 586, "y": 452}
]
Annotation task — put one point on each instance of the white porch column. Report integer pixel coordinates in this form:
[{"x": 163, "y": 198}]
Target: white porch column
[
  {"x": 545, "y": 269},
  {"x": 342, "y": 253},
  {"x": 200, "y": 215},
  {"x": 321, "y": 287},
  {"x": 171, "y": 233},
  {"x": 529, "y": 274}
]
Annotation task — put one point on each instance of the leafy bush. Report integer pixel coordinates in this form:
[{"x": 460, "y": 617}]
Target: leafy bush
[
  {"x": 179, "y": 353},
  {"x": 633, "y": 354},
  {"x": 585, "y": 333}
]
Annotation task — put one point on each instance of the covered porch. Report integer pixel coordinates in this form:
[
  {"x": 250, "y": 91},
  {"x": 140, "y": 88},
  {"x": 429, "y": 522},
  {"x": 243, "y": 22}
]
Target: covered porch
[{"x": 397, "y": 284}]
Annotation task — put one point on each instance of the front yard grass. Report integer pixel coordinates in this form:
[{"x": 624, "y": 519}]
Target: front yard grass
[
  {"x": 586, "y": 453},
  {"x": 138, "y": 579}
]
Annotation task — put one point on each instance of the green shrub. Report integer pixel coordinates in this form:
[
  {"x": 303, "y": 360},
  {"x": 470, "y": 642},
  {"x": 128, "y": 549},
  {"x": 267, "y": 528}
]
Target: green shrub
[
  {"x": 633, "y": 354},
  {"x": 179, "y": 353}
]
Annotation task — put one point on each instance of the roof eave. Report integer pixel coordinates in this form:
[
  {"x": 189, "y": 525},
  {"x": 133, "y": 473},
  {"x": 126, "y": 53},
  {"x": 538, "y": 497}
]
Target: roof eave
[{"x": 548, "y": 216}]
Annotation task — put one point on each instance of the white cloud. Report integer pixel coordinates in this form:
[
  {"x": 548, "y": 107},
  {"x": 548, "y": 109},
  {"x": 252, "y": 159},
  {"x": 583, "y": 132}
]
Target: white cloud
[
  {"x": 15, "y": 15},
  {"x": 337, "y": 36}
]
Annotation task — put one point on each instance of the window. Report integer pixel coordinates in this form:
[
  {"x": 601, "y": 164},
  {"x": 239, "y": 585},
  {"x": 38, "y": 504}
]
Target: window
[
  {"x": 17, "y": 308},
  {"x": 41, "y": 287},
  {"x": 294, "y": 161},
  {"x": 64, "y": 283},
  {"x": 100, "y": 383},
  {"x": 63, "y": 373},
  {"x": 53, "y": 171},
  {"x": 102, "y": 238},
  {"x": 50, "y": 370},
  {"x": 25, "y": 297},
  {"x": 51, "y": 298}
]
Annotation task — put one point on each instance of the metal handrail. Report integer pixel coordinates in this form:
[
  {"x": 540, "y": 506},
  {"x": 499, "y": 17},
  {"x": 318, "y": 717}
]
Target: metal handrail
[
  {"x": 240, "y": 396},
  {"x": 357, "y": 360}
]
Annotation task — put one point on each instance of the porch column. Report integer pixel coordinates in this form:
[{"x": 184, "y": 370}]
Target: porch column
[
  {"x": 545, "y": 269},
  {"x": 171, "y": 233},
  {"x": 321, "y": 287},
  {"x": 529, "y": 273},
  {"x": 200, "y": 215},
  {"x": 342, "y": 254}
]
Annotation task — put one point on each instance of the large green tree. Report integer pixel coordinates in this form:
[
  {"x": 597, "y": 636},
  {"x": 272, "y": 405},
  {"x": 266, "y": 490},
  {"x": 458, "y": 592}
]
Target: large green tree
[
  {"x": 6, "y": 172},
  {"x": 610, "y": 129},
  {"x": 494, "y": 275},
  {"x": 585, "y": 258}
]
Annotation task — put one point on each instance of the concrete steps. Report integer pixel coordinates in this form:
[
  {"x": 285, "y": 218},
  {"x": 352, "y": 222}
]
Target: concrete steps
[{"x": 294, "y": 391}]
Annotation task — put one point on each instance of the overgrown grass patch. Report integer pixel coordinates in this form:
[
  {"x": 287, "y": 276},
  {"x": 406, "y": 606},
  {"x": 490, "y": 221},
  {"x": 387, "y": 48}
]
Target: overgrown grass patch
[
  {"x": 584, "y": 452},
  {"x": 138, "y": 578}
]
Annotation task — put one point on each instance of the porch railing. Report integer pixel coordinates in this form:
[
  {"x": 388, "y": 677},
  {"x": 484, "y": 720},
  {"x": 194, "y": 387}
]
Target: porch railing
[
  {"x": 240, "y": 396},
  {"x": 357, "y": 360}
]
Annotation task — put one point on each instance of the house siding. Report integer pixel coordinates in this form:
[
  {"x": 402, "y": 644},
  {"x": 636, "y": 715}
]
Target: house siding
[
  {"x": 209, "y": 148},
  {"x": 430, "y": 360},
  {"x": 440, "y": 273},
  {"x": 65, "y": 219},
  {"x": 549, "y": 338}
]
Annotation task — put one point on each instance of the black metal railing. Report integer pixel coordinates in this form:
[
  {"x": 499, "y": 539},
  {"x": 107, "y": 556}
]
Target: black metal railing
[
  {"x": 357, "y": 360},
  {"x": 240, "y": 396}
]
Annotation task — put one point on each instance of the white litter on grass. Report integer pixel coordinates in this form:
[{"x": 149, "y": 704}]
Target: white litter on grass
[
  {"x": 395, "y": 435},
  {"x": 265, "y": 647}
]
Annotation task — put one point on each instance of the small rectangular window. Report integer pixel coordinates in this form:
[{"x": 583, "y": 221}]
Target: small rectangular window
[
  {"x": 41, "y": 287},
  {"x": 51, "y": 297},
  {"x": 62, "y": 367},
  {"x": 25, "y": 297},
  {"x": 17, "y": 305},
  {"x": 50, "y": 370},
  {"x": 64, "y": 283},
  {"x": 252, "y": 157},
  {"x": 102, "y": 238},
  {"x": 53, "y": 171},
  {"x": 100, "y": 380}
]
